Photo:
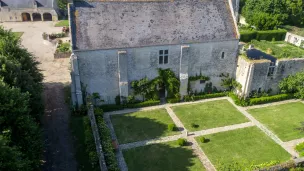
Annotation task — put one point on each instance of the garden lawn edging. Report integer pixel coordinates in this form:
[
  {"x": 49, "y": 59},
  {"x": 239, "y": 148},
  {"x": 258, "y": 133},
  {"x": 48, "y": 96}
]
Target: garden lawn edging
[
  {"x": 270, "y": 99},
  {"x": 114, "y": 107}
]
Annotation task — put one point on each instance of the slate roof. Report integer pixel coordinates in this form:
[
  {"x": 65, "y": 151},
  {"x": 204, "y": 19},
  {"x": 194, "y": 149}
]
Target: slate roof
[
  {"x": 27, "y": 3},
  {"x": 107, "y": 25}
]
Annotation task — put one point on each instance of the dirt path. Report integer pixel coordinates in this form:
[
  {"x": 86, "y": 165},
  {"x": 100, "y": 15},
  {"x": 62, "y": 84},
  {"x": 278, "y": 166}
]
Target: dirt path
[
  {"x": 58, "y": 153},
  {"x": 59, "y": 150}
]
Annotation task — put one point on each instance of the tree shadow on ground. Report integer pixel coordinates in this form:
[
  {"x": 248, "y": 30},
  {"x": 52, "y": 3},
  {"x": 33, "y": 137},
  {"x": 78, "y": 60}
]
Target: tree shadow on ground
[
  {"x": 162, "y": 157},
  {"x": 132, "y": 129}
]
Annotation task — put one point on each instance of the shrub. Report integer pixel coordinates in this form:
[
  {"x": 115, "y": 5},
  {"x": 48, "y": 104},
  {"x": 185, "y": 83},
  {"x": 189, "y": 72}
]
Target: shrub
[
  {"x": 90, "y": 147},
  {"x": 193, "y": 125},
  {"x": 269, "y": 99},
  {"x": 300, "y": 148},
  {"x": 202, "y": 139},
  {"x": 143, "y": 104},
  {"x": 181, "y": 142},
  {"x": 111, "y": 107},
  {"x": 171, "y": 127},
  {"x": 247, "y": 36},
  {"x": 106, "y": 143},
  {"x": 173, "y": 100},
  {"x": 238, "y": 101},
  {"x": 206, "y": 96},
  {"x": 63, "y": 47},
  {"x": 278, "y": 35}
]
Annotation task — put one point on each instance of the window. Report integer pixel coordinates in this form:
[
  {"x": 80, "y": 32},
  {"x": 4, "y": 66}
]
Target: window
[
  {"x": 163, "y": 56},
  {"x": 271, "y": 69},
  {"x": 202, "y": 81},
  {"x": 223, "y": 55}
]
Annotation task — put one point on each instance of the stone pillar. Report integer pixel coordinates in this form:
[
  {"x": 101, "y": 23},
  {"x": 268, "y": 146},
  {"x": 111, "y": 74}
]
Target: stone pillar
[
  {"x": 123, "y": 74},
  {"x": 183, "y": 71},
  {"x": 31, "y": 16},
  {"x": 77, "y": 98}
]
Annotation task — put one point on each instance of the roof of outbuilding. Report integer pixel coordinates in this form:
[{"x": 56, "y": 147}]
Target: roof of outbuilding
[
  {"x": 107, "y": 25},
  {"x": 27, "y": 3}
]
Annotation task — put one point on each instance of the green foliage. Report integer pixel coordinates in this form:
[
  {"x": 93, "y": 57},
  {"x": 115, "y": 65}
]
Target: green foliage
[
  {"x": 117, "y": 100},
  {"x": 193, "y": 125},
  {"x": 293, "y": 84},
  {"x": 171, "y": 127},
  {"x": 202, "y": 139},
  {"x": 81, "y": 111},
  {"x": 230, "y": 83},
  {"x": 173, "y": 100},
  {"x": 206, "y": 96},
  {"x": 106, "y": 142},
  {"x": 300, "y": 148},
  {"x": 269, "y": 14},
  {"x": 63, "y": 23},
  {"x": 143, "y": 87},
  {"x": 62, "y": 4},
  {"x": 181, "y": 142},
  {"x": 112, "y": 107},
  {"x": 240, "y": 101},
  {"x": 20, "y": 105},
  {"x": 269, "y": 99},
  {"x": 247, "y": 36},
  {"x": 90, "y": 147},
  {"x": 171, "y": 82},
  {"x": 279, "y": 49},
  {"x": 208, "y": 88},
  {"x": 63, "y": 47}
]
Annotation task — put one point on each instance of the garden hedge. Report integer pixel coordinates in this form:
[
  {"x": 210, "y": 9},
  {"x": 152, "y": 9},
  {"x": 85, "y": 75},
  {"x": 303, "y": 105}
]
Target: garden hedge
[
  {"x": 113, "y": 107},
  {"x": 106, "y": 142},
  {"x": 269, "y": 35},
  {"x": 269, "y": 99},
  {"x": 206, "y": 96}
]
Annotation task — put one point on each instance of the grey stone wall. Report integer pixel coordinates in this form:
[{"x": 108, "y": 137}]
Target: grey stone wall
[
  {"x": 13, "y": 14},
  {"x": 294, "y": 39},
  {"x": 99, "y": 69},
  {"x": 253, "y": 74}
]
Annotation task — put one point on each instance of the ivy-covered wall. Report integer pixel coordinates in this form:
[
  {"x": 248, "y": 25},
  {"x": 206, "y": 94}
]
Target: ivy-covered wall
[{"x": 99, "y": 69}]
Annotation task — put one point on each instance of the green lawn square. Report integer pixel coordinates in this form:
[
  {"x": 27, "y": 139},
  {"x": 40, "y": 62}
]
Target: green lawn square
[
  {"x": 209, "y": 115},
  {"x": 143, "y": 125},
  {"x": 162, "y": 157},
  {"x": 246, "y": 146},
  {"x": 282, "y": 119}
]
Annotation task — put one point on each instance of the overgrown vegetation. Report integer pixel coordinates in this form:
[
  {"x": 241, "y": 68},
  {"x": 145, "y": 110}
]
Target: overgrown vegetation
[
  {"x": 106, "y": 141},
  {"x": 300, "y": 149},
  {"x": 20, "y": 106},
  {"x": 269, "y": 14},
  {"x": 293, "y": 84},
  {"x": 63, "y": 47}
]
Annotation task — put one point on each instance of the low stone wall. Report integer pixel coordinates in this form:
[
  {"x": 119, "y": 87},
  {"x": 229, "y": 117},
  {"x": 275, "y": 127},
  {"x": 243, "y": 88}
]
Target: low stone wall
[
  {"x": 94, "y": 127},
  {"x": 62, "y": 55},
  {"x": 286, "y": 166}
]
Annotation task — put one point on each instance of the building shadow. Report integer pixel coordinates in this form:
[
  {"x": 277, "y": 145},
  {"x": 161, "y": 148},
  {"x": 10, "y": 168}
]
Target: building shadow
[{"x": 161, "y": 157}]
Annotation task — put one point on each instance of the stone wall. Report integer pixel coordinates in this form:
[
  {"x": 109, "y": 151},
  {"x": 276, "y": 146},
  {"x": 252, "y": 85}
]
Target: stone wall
[
  {"x": 294, "y": 39},
  {"x": 62, "y": 55},
  {"x": 253, "y": 74},
  {"x": 104, "y": 71},
  {"x": 13, "y": 15}
]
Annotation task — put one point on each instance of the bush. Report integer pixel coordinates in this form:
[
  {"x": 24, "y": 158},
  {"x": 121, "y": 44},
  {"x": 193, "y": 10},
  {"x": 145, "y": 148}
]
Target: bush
[
  {"x": 206, "y": 96},
  {"x": 300, "y": 148},
  {"x": 143, "y": 104},
  {"x": 111, "y": 107},
  {"x": 269, "y": 99},
  {"x": 238, "y": 101},
  {"x": 171, "y": 127},
  {"x": 63, "y": 47},
  {"x": 181, "y": 142},
  {"x": 193, "y": 125},
  {"x": 278, "y": 35},
  {"x": 173, "y": 100},
  {"x": 202, "y": 139},
  {"x": 106, "y": 143}
]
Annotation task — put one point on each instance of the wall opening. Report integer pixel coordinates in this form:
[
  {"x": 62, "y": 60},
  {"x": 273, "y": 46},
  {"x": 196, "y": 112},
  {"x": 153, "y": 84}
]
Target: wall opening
[
  {"x": 47, "y": 17},
  {"x": 37, "y": 17},
  {"x": 26, "y": 16}
]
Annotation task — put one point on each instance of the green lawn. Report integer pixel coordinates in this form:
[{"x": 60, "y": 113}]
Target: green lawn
[
  {"x": 282, "y": 120},
  {"x": 162, "y": 157},
  {"x": 18, "y": 34},
  {"x": 62, "y": 23},
  {"x": 142, "y": 125},
  {"x": 83, "y": 141},
  {"x": 248, "y": 145},
  {"x": 209, "y": 115}
]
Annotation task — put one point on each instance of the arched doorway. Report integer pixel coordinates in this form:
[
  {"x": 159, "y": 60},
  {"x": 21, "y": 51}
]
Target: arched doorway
[
  {"x": 37, "y": 17},
  {"x": 26, "y": 16},
  {"x": 47, "y": 17}
]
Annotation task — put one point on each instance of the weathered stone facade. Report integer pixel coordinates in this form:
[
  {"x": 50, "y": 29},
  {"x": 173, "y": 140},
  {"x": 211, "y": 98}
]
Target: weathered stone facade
[
  {"x": 294, "y": 39},
  {"x": 28, "y": 10}
]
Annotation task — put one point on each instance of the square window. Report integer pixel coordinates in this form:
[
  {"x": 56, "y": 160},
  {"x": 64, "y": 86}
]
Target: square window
[
  {"x": 161, "y": 52},
  {"x": 166, "y": 60},
  {"x": 166, "y": 52},
  {"x": 202, "y": 81},
  {"x": 161, "y": 58}
]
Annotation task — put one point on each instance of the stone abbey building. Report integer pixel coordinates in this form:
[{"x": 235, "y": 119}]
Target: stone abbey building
[
  {"x": 28, "y": 10},
  {"x": 117, "y": 42}
]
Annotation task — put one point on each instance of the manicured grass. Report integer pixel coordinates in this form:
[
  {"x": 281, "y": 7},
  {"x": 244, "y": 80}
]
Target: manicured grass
[
  {"x": 84, "y": 144},
  {"x": 282, "y": 119},
  {"x": 300, "y": 148},
  {"x": 142, "y": 125},
  {"x": 247, "y": 146},
  {"x": 62, "y": 23},
  {"x": 209, "y": 115},
  {"x": 18, "y": 34},
  {"x": 162, "y": 157}
]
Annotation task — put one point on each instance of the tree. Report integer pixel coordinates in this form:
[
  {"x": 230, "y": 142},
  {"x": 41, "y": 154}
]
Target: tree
[
  {"x": 231, "y": 84},
  {"x": 293, "y": 84},
  {"x": 62, "y": 4},
  {"x": 141, "y": 87}
]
